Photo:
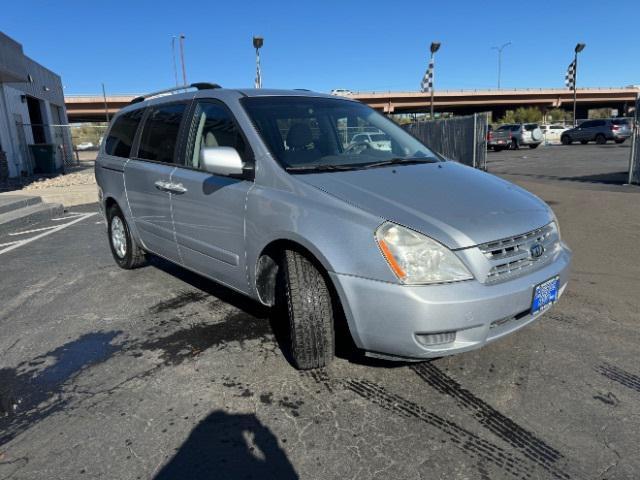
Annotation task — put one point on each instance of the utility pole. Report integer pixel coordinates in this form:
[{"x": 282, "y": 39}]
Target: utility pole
[
  {"x": 173, "y": 54},
  {"x": 257, "y": 44},
  {"x": 499, "y": 49},
  {"x": 106, "y": 109},
  {"x": 435, "y": 46},
  {"x": 184, "y": 69},
  {"x": 577, "y": 50}
]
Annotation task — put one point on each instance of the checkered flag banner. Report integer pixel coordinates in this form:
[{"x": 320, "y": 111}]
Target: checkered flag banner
[
  {"x": 427, "y": 81},
  {"x": 570, "y": 76}
]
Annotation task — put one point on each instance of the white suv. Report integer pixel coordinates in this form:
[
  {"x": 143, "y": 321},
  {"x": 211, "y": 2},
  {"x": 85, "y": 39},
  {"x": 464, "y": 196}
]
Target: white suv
[{"x": 524, "y": 134}]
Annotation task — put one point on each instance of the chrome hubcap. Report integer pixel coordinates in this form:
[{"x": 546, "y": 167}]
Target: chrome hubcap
[{"x": 118, "y": 238}]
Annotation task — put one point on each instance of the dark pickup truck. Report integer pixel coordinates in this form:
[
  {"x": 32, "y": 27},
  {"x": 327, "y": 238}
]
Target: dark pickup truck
[{"x": 498, "y": 139}]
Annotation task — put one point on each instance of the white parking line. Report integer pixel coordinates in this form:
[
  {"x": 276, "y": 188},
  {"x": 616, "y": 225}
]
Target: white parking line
[
  {"x": 10, "y": 243},
  {"x": 70, "y": 215},
  {"x": 20, "y": 243},
  {"x": 33, "y": 231}
]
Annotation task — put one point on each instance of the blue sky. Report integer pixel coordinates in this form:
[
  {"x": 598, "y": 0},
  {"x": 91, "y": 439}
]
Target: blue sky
[{"x": 361, "y": 45}]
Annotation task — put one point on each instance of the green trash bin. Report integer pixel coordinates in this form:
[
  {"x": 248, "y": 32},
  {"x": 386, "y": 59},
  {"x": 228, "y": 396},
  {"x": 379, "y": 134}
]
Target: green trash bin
[{"x": 44, "y": 155}]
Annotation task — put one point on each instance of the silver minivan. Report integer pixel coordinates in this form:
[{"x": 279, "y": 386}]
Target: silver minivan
[{"x": 264, "y": 191}]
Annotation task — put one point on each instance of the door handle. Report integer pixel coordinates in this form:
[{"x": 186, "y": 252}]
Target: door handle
[{"x": 175, "y": 188}]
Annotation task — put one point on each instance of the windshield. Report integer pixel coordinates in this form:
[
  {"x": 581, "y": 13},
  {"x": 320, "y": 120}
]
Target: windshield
[{"x": 309, "y": 132}]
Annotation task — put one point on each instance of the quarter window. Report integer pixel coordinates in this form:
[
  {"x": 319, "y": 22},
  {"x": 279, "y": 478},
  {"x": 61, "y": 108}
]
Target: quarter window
[
  {"x": 213, "y": 127},
  {"x": 160, "y": 133},
  {"x": 122, "y": 133}
]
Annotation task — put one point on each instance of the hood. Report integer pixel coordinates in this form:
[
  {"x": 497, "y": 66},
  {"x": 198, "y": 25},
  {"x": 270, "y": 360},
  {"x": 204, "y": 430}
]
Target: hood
[{"x": 457, "y": 205}]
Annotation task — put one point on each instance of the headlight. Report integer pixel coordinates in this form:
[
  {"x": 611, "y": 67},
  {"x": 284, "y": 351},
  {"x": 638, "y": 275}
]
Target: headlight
[{"x": 417, "y": 259}]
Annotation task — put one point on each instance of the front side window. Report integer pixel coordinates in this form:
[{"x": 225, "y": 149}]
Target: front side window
[
  {"x": 304, "y": 133},
  {"x": 122, "y": 133},
  {"x": 213, "y": 127},
  {"x": 160, "y": 133}
]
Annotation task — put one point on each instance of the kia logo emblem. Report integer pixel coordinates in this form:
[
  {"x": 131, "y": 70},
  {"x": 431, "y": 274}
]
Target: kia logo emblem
[{"x": 537, "y": 249}]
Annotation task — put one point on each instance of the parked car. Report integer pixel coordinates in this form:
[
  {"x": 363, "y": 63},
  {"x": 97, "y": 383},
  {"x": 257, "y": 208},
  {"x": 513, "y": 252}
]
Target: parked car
[
  {"x": 498, "y": 140},
  {"x": 523, "y": 134},
  {"x": 600, "y": 131},
  {"x": 85, "y": 146},
  {"x": 375, "y": 140},
  {"x": 408, "y": 254},
  {"x": 552, "y": 133},
  {"x": 341, "y": 92}
]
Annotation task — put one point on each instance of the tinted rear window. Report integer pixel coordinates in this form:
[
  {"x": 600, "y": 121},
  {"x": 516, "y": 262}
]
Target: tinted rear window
[
  {"x": 160, "y": 132},
  {"x": 122, "y": 133},
  {"x": 620, "y": 121},
  {"x": 530, "y": 126}
]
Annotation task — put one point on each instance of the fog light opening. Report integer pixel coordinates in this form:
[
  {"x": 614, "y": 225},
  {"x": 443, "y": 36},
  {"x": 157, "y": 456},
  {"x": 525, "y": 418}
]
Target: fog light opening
[{"x": 431, "y": 339}]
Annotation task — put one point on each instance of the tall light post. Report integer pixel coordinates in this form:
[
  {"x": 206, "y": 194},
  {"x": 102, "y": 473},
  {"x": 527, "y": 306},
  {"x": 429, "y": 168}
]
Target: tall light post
[
  {"x": 435, "y": 46},
  {"x": 257, "y": 44},
  {"x": 577, "y": 50},
  {"x": 184, "y": 69},
  {"x": 173, "y": 54},
  {"x": 499, "y": 49}
]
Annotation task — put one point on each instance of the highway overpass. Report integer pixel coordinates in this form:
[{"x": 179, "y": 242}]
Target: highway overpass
[{"x": 91, "y": 108}]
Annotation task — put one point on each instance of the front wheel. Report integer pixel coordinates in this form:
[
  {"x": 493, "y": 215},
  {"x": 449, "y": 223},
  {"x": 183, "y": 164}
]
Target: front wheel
[
  {"x": 310, "y": 311},
  {"x": 124, "y": 249},
  {"x": 566, "y": 140}
]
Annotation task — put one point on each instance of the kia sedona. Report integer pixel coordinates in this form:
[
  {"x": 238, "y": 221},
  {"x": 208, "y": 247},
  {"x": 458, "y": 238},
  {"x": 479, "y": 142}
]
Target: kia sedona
[{"x": 266, "y": 192}]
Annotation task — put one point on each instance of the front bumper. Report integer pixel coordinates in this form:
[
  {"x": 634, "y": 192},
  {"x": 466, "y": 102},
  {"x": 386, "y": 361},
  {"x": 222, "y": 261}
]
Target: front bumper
[{"x": 387, "y": 318}]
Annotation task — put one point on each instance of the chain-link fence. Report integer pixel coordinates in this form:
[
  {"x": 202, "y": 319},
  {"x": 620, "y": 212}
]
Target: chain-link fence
[
  {"x": 463, "y": 139},
  {"x": 634, "y": 154},
  {"x": 49, "y": 149}
]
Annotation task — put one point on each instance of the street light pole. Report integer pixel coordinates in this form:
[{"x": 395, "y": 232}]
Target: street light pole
[
  {"x": 577, "y": 50},
  {"x": 499, "y": 49},
  {"x": 184, "y": 69},
  {"x": 257, "y": 44},
  {"x": 435, "y": 46},
  {"x": 173, "y": 54},
  {"x": 104, "y": 98}
]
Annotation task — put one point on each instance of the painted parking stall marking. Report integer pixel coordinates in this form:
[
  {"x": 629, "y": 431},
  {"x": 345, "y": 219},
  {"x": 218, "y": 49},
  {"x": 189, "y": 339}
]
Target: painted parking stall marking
[{"x": 43, "y": 232}]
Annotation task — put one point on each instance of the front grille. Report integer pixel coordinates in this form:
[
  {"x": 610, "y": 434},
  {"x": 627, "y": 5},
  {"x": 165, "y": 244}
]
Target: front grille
[{"x": 511, "y": 257}]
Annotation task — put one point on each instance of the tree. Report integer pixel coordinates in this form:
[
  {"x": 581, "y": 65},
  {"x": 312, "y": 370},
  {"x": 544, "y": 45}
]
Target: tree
[
  {"x": 559, "y": 115},
  {"x": 522, "y": 115}
]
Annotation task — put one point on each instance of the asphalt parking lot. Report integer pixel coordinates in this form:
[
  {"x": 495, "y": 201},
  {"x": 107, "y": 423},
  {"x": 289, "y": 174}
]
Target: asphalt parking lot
[{"x": 158, "y": 373}]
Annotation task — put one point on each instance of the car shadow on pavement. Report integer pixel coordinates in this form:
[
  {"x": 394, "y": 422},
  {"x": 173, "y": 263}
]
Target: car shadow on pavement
[{"x": 229, "y": 446}]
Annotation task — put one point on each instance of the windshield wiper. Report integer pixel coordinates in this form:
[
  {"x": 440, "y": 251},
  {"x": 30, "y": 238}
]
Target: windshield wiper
[
  {"x": 400, "y": 161},
  {"x": 319, "y": 168}
]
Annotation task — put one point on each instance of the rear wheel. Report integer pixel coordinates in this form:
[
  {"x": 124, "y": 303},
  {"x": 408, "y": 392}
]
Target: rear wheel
[
  {"x": 124, "y": 249},
  {"x": 584, "y": 142},
  {"x": 566, "y": 140},
  {"x": 515, "y": 145},
  {"x": 534, "y": 145},
  {"x": 620, "y": 140},
  {"x": 601, "y": 139},
  {"x": 310, "y": 310}
]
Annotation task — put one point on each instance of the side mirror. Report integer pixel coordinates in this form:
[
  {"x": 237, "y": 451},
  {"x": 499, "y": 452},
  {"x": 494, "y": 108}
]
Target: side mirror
[{"x": 221, "y": 161}]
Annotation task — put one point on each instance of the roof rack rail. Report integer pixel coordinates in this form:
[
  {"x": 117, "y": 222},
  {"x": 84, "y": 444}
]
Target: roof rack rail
[{"x": 198, "y": 86}]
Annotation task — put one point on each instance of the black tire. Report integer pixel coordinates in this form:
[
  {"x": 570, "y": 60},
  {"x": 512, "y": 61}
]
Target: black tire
[
  {"x": 620, "y": 140},
  {"x": 534, "y": 145},
  {"x": 566, "y": 140},
  {"x": 601, "y": 139},
  {"x": 134, "y": 256},
  {"x": 310, "y": 310},
  {"x": 584, "y": 142},
  {"x": 498, "y": 149}
]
